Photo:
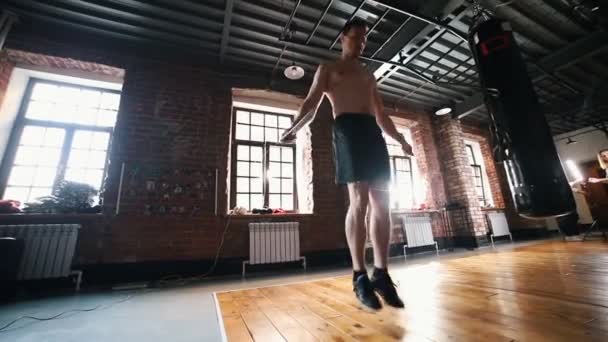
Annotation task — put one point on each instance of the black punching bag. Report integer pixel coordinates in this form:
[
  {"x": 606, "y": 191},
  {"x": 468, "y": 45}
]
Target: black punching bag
[{"x": 522, "y": 138}]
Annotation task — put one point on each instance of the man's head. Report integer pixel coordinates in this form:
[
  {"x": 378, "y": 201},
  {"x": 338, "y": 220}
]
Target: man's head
[{"x": 353, "y": 37}]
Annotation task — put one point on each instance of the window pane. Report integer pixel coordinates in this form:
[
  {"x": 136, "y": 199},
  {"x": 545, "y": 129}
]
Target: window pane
[
  {"x": 274, "y": 185},
  {"x": 32, "y": 136},
  {"x": 256, "y": 170},
  {"x": 49, "y": 156},
  {"x": 45, "y": 176},
  {"x": 242, "y": 201},
  {"x": 287, "y": 202},
  {"x": 27, "y": 155},
  {"x": 36, "y": 193},
  {"x": 93, "y": 178},
  {"x": 242, "y": 184},
  {"x": 53, "y": 137},
  {"x": 110, "y": 101},
  {"x": 256, "y": 153},
  {"x": 242, "y": 116},
  {"x": 106, "y": 118},
  {"x": 17, "y": 193},
  {"x": 257, "y": 119},
  {"x": 100, "y": 141},
  {"x": 257, "y": 201},
  {"x": 287, "y": 170},
  {"x": 284, "y": 122},
  {"x": 287, "y": 154},
  {"x": 274, "y": 170},
  {"x": 275, "y": 153},
  {"x": 256, "y": 185},
  {"x": 82, "y": 140},
  {"x": 257, "y": 133},
  {"x": 97, "y": 160},
  {"x": 64, "y": 112},
  {"x": 39, "y": 110},
  {"x": 67, "y": 94},
  {"x": 89, "y": 99},
  {"x": 271, "y": 120},
  {"x": 287, "y": 186},
  {"x": 43, "y": 91},
  {"x": 75, "y": 175},
  {"x": 242, "y": 152},
  {"x": 272, "y": 135},
  {"x": 86, "y": 116},
  {"x": 78, "y": 159},
  {"x": 274, "y": 201},
  {"x": 470, "y": 154},
  {"x": 242, "y": 169},
  {"x": 22, "y": 175},
  {"x": 242, "y": 132}
]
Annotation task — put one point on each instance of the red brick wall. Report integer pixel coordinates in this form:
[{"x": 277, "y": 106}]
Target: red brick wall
[
  {"x": 457, "y": 176},
  {"x": 173, "y": 127},
  {"x": 6, "y": 69}
]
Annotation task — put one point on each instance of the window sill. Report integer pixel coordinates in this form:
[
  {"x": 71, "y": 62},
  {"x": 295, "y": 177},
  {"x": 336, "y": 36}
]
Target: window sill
[
  {"x": 48, "y": 218},
  {"x": 492, "y": 209},
  {"x": 254, "y": 216}
]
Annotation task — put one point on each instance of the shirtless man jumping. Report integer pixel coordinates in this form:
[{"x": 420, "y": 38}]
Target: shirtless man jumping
[{"x": 361, "y": 158}]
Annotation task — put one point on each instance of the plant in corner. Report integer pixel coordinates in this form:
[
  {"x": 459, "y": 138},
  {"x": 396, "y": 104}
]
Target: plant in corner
[{"x": 68, "y": 197}]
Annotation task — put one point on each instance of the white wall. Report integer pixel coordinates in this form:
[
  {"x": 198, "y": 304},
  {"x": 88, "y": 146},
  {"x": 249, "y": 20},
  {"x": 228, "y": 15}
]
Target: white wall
[{"x": 586, "y": 147}]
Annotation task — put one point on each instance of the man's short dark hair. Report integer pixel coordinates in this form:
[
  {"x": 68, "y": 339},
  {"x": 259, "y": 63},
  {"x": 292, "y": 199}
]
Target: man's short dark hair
[{"x": 356, "y": 22}]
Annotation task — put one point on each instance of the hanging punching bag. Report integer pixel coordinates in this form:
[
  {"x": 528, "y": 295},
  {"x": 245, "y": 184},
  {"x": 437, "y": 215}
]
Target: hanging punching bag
[{"x": 522, "y": 139}]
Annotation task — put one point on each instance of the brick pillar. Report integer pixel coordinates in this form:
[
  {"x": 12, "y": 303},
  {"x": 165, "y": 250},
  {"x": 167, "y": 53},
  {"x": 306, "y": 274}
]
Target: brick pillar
[{"x": 459, "y": 182}]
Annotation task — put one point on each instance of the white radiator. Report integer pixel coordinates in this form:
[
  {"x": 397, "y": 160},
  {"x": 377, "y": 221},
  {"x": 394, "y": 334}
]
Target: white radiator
[
  {"x": 273, "y": 242},
  {"x": 49, "y": 250},
  {"x": 418, "y": 232},
  {"x": 498, "y": 225}
]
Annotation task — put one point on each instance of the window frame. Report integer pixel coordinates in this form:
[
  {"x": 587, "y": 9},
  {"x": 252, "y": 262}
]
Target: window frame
[
  {"x": 21, "y": 121},
  {"x": 476, "y": 166},
  {"x": 234, "y": 143},
  {"x": 394, "y": 171}
]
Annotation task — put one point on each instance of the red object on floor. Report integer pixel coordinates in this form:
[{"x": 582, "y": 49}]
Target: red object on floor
[{"x": 9, "y": 207}]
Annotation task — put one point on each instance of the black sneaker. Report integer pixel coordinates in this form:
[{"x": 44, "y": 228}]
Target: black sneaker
[
  {"x": 365, "y": 293},
  {"x": 384, "y": 286}
]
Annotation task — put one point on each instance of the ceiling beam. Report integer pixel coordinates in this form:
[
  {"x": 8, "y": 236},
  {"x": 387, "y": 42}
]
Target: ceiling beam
[
  {"x": 469, "y": 105},
  {"x": 561, "y": 58},
  {"x": 226, "y": 29},
  {"x": 575, "y": 52}
]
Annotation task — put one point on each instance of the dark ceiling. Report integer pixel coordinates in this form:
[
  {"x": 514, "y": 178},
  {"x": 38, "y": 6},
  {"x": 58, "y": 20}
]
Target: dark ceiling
[{"x": 564, "y": 42}]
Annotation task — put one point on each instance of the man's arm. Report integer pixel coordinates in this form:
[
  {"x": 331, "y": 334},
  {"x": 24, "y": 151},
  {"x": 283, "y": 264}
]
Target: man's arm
[
  {"x": 598, "y": 180},
  {"x": 387, "y": 125},
  {"x": 309, "y": 107}
]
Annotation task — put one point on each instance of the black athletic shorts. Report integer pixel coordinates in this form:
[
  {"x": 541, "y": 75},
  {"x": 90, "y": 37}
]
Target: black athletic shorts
[{"x": 360, "y": 152}]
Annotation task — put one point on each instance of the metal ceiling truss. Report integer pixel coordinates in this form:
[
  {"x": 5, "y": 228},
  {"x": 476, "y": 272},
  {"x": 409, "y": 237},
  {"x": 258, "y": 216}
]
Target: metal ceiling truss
[{"x": 417, "y": 48}]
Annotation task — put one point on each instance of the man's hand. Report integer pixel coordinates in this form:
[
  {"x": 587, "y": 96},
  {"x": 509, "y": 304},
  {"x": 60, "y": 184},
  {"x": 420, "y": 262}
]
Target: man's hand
[
  {"x": 288, "y": 137},
  {"x": 407, "y": 148}
]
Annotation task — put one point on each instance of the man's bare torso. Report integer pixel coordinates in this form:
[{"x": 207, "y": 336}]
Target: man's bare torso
[{"x": 349, "y": 87}]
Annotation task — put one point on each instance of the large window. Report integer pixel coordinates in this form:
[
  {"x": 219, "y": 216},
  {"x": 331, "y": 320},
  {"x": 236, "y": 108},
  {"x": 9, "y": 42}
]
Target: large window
[
  {"x": 62, "y": 133},
  {"x": 478, "y": 173},
  {"x": 264, "y": 169},
  {"x": 402, "y": 174}
]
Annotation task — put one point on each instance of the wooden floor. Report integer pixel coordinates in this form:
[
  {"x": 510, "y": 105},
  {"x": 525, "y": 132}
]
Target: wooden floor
[{"x": 552, "y": 291}]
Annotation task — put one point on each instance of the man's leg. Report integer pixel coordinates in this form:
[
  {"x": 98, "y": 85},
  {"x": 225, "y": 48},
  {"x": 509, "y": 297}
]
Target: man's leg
[
  {"x": 355, "y": 236},
  {"x": 355, "y": 223},
  {"x": 380, "y": 230}
]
